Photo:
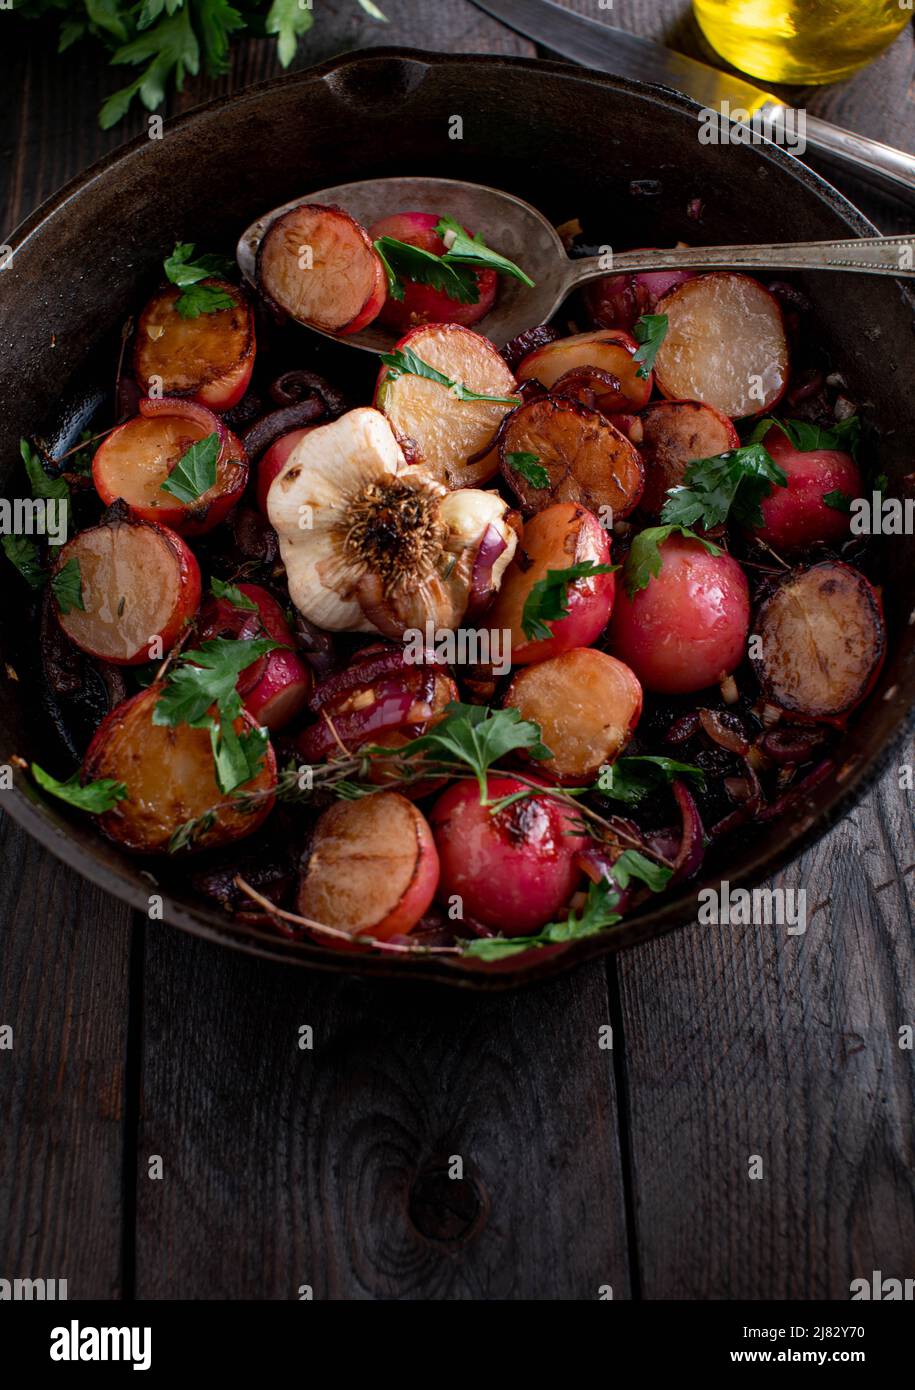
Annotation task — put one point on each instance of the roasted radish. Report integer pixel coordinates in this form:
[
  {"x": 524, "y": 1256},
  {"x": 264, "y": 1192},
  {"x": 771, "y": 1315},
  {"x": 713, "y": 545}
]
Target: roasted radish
[
  {"x": 440, "y": 431},
  {"x": 160, "y": 462},
  {"x": 821, "y": 641},
  {"x": 617, "y": 301},
  {"x": 423, "y": 303},
  {"x": 555, "y": 541},
  {"x": 608, "y": 350},
  {"x": 169, "y": 774},
  {"x": 725, "y": 345},
  {"x": 276, "y": 686},
  {"x": 372, "y": 868},
  {"x": 674, "y": 433},
  {"x": 209, "y": 357},
  {"x": 687, "y": 629},
  {"x": 587, "y": 705},
  {"x": 555, "y": 450},
  {"x": 138, "y": 585},
  {"x": 512, "y": 870},
  {"x": 319, "y": 266},
  {"x": 274, "y": 461},
  {"x": 796, "y": 516}
]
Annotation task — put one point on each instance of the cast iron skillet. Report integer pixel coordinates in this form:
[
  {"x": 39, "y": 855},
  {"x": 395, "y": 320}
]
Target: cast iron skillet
[{"x": 574, "y": 144}]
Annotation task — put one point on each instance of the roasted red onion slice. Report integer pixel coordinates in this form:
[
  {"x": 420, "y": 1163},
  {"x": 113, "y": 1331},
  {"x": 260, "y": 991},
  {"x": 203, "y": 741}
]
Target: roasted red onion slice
[
  {"x": 491, "y": 547},
  {"x": 722, "y": 734},
  {"x": 392, "y": 703}
]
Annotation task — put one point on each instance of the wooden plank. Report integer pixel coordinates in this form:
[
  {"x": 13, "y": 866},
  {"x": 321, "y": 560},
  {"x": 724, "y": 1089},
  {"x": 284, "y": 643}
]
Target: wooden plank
[
  {"x": 329, "y": 1167},
  {"x": 64, "y": 955}
]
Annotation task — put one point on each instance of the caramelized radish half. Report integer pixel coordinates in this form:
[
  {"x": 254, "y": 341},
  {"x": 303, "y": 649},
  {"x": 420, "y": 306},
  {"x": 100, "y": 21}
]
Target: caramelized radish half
[
  {"x": 584, "y": 457},
  {"x": 169, "y": 774},
  {"x": 319, "y": 266},
  {"x": 587, "y": 705},
  {"x": 422, "y": 303},
  {"x": 725, "y": 345},
  {"x": 555, "y": 539},
  {"x": 674, "y": 433},
  {"x": 135, "y": 460},
  {"x": 209, "y": 358},
  {"x": 437, "y": 430},
  {"x": 607, "y": 350},
  {"x": 822, "y": 641},
  {"x": 372, "y": 869},
  {"x": 139, "y": 583}
]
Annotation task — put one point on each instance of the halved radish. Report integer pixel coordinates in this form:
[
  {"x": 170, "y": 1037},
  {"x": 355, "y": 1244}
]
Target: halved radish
[
  {"x": 556, "y": 539},
  {"x": 725, "y": 345},
  {"x": 372, "y": 869},
  {"x": 822, "y": 641},
  {"x": 320, "y": 266},
  {"x": 673, "y": 434},
  {"x": 437, "y": 430},
  {"x": 137, "y": 458},
  {"x": 209, "y": 358},
  {"x": 139, "y": 582},
  {"x": 275, "y": 687},
  {"x": 274, "y": 461},
  {"x": 422, "y": 303},
  {"x": 608, "y": 350},
  {"x": 170, "y": 778},
  {"x": 587, "y": 705},
  {"x": 586, "y": 459}
]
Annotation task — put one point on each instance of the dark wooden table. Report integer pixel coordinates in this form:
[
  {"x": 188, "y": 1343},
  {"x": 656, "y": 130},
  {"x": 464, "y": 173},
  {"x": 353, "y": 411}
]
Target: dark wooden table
[{"x": 583, "y": 1167}]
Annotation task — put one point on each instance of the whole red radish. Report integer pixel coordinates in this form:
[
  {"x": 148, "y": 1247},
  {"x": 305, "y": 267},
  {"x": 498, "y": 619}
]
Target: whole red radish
[
  {"x": 275, "y": 687},
  {"x": 687, "y": 629},
  {"x": 422, "y": 303},
  {"x": 514, "y": 870},
  {"x": 274, "y": 461},
  {"x": 796, "y": 516}
]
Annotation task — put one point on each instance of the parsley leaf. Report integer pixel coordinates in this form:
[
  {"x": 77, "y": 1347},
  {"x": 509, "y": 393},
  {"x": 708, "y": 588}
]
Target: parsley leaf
[
  {"x": 529, "y": 467},
  {"x": 547, "y": 600},
  {"x": 844, "y": 435},
  {"x": 95, "y": 797},
  {"x": 186, "y": 273},
  {"x": 477, "y": 736},
  {"x": 205, "y": 677},
  {"x": 649, "y": 331},
  {"x": 731, "y": 484},
  {"x": 23, "y": 553},
  {"x": 237, "y": 757},
  {"x": 404, "y": 362},
  {"x": 596, "y": 915},
  {"x": 633, "y": 864},
  {"x": 67, "y": 587},
  {"x": 473, "y": 251},
  {"x": 289, "y": 21},
  {"x": 232, "y": 595},
  {"x": 42, "y": 485},
  {"x": 169, "y": 47},
  {"x": 405, "y": 262},
  {"x": 644, "y": 559},
  {"x": 631, "y": 779},
  {"x": 838, "y": 500},
  {"x": 195, "y": 472}
]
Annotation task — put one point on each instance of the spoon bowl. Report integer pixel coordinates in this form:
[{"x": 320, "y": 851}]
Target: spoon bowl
[{"x": 518, "y": 231}]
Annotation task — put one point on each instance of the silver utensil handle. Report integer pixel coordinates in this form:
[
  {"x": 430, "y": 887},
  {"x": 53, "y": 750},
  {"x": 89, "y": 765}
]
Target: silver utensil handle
[
  {"x": 867, "y": 159},
  {"x": 891, "y": 255}
]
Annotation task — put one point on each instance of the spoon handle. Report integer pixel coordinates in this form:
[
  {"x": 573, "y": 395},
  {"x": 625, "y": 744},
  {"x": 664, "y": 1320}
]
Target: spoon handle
[{"x": 890, "y": 255}]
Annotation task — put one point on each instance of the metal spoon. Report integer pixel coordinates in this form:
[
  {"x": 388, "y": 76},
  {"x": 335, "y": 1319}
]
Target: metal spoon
[{"x": 518, "y": 231}]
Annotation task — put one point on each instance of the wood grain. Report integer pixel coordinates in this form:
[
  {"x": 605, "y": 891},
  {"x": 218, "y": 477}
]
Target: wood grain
[{"x": 329, "y": 1167}]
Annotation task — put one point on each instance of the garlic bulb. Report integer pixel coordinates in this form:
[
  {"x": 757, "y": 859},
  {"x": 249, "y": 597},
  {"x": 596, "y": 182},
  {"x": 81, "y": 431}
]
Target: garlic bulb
[{"x": 372, "y": 545}]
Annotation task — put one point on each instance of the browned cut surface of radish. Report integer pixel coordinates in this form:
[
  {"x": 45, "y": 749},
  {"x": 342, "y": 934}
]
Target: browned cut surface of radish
[
  {"x": 674, "y": 433},
  {"x": 373, "y": 867},
  {"x": 822, "y": 639},
  {"x": 170, "y": 779},
  {"x": 138, "y": 582},
  {"x": 185, "y": 354},
  {"x": 588, "y": 460},
  {"x": 439, "y": 431},
  {"x": 320, "y": 266},
  {"x": 587, "y": 705},
  {"x": 725, "y": 345}
]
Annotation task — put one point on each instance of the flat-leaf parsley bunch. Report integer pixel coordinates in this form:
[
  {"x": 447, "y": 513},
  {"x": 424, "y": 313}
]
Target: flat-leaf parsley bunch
[{"x": 172, "y": 39}]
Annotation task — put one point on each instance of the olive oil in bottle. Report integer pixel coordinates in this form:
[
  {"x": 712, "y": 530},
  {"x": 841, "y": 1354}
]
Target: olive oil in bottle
[{"x": 800, "y": 40}]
